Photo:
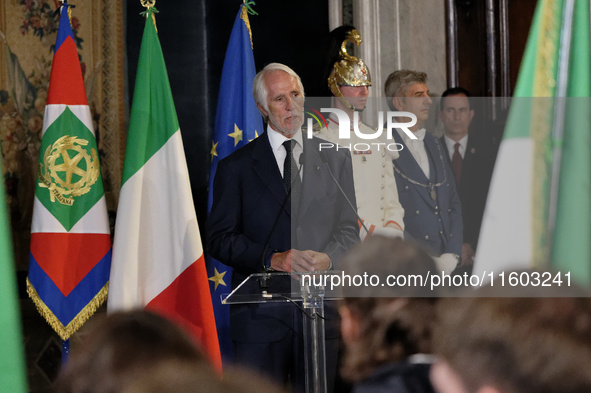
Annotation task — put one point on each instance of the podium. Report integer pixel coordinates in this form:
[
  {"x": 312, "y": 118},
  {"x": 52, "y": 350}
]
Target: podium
[{"x": 309, "y": 289}]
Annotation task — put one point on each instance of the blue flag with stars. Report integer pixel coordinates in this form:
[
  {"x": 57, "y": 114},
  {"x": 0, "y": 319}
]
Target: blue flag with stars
[{"x": 237, "y": 122}]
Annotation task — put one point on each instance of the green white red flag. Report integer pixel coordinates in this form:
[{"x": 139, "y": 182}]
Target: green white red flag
[
  {"x": 158, "y": 260},
  {"x": 538, "y": 211}
]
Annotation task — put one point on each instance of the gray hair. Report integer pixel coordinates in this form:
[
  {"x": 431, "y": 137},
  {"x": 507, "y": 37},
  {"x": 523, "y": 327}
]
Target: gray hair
[
  {"x": 397, "y": 83},
  {"x": 259, "y": 88}
]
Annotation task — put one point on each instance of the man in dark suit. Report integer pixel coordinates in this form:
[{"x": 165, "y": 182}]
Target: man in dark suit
[
  {"x": 426, "y": 187},
  {"x": 471, "y": 163},
  {"x": 251, "y": 227}
]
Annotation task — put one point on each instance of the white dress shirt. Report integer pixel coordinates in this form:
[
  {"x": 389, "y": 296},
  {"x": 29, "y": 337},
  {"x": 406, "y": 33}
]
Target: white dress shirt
[
  {"x": 417, "y": 149},
  {"x": 450, "y": 144},
  {"x": 276, "y": 140}
]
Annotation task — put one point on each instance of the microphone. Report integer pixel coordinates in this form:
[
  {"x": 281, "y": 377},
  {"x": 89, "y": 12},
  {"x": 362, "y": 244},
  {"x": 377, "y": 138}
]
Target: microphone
[
  {"x": 325, "y": 162},
  {"x": 283, "y": 203}
]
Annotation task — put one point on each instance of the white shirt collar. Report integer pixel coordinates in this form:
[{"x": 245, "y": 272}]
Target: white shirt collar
[
  {"x": 450, "y": 144},
  {"x": 420, "y": 134},
  {"x": 416, "y": 147},
  {"x": 276, "y": 139}
]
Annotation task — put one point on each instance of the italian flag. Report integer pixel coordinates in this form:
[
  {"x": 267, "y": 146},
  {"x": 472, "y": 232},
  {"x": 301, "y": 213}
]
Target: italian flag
[
  {"x": 538, "y": 212},
  {"x": 70, "y": 236},
  {"x": 158, "y": 260}
]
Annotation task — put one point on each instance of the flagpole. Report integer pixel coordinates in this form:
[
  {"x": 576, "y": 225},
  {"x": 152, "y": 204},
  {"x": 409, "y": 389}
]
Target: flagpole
[
  {"x": 65, "y": 351},
  {"x": 559, "y": 118},
  {"x": 65, "y": 343}
]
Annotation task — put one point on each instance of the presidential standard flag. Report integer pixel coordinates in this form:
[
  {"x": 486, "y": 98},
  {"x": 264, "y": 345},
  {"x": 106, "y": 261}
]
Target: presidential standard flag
[
  {"x": 237, "y": 122},
  {"x": 12, "y": 358},
  {"x": 70, "y": 238},
  {"x": 158, "y": 259},
  {"x": 538, "y": 212}
]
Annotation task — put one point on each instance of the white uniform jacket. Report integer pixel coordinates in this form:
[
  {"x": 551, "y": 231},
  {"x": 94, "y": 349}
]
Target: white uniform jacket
[{"x": 373, "y": 176}]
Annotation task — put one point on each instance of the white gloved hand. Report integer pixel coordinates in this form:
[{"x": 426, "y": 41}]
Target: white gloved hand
[
  {"x": 446, "y": 262},
  {"x": 388, "y": 232}
]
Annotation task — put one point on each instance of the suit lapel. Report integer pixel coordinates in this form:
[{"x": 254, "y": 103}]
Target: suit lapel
[
  {"x": 442, "y": 140},
  {"x": 436, "y": 156},
  {"x": 312, "y": 172},
  {"x": 265, "y": 166},
  {"x": 470, "y": 157}
]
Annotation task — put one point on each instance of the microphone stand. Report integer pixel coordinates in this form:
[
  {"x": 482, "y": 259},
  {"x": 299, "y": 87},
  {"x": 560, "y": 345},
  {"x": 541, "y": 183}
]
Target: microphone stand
[{"x": 334, "y": 179}]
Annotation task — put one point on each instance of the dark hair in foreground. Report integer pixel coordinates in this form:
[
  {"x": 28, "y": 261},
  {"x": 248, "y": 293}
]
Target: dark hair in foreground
[
  {"x": 390, "y": 328},
  {"x": 141, "y": 352},
  {"x": 518, "y": 344},
  {"x": 119, "y": 349},
  {"x": 179, "y": 377}
]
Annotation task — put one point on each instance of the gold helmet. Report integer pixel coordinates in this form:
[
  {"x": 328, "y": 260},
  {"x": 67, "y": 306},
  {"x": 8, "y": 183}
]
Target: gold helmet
[{"x": 349, "y": 70}]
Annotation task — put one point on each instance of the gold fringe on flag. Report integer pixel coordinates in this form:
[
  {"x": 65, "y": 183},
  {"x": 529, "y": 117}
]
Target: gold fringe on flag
[
  {"x": 244, "y": 17},
  {"x": 65, "y": 332}
]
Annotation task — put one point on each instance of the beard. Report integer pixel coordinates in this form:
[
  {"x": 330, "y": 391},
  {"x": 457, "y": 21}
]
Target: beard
[{"x": 287, "y": 130}]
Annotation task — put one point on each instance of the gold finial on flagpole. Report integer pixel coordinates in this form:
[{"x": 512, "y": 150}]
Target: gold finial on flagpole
[
  {"x": 64, "y": 3},
  {"x": 150, "y": 9}
]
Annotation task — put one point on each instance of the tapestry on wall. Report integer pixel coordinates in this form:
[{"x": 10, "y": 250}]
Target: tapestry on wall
[{"x": 28, "y": 30}]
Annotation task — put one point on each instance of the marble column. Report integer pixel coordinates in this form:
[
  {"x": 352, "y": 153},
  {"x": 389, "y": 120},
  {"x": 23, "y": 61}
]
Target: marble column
[{"x": 401, "y": 34}]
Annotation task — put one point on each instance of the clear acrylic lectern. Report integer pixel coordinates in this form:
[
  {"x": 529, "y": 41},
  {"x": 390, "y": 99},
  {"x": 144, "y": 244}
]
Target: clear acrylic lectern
[{"x": 306, "y": 289}]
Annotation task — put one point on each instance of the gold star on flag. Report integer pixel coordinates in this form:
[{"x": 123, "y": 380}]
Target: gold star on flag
[
  {"x": 218, "y": 278},
  {"x": 237, "y": 135},
  {"x": 256, "y": 135},
  {"x": 214, "y": 151}
]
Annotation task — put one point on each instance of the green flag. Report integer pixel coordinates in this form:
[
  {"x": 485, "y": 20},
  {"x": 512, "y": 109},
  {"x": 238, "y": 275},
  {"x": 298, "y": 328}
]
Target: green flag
[
  {"x": 538, "y": 211},
  {"x": 571, "y": 249},
  {"x": 12, "y": 360}
]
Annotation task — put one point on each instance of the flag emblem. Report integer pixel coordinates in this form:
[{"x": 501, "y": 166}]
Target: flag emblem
[{"x": 68, "y": 174}]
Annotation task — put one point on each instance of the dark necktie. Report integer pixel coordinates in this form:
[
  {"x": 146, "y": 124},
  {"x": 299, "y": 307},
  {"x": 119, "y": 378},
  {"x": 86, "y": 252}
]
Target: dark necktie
[
  {"x": 292, "y": 181},
  {"x": 456, "y": 163}
]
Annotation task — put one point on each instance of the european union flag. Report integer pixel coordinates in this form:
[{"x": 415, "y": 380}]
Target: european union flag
[{"x": 237, "y": 122}]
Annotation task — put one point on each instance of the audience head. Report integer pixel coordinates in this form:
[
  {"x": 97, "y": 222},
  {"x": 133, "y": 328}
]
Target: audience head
[
  {"x": 120, "y": 348},
  {"x": 540, "y": 343},
  {"x": 182, "y": 377},
  {"x": 382, "y": 330}
]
